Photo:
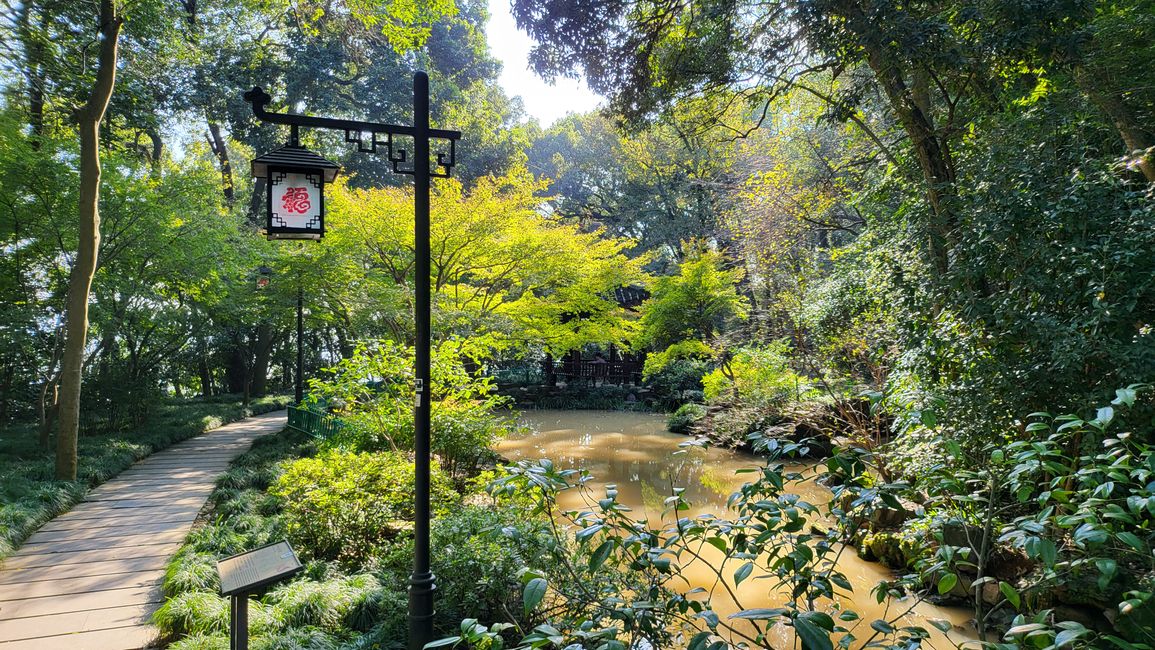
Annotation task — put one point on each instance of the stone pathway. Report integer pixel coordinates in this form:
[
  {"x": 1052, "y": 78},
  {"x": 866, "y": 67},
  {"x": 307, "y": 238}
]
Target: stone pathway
[{"x": 90, "y": 579}]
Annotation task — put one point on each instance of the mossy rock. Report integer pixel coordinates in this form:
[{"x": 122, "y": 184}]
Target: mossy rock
[{"x": 892, "y": 548}]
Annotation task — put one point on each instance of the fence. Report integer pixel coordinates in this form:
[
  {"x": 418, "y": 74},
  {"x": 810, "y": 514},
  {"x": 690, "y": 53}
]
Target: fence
[{"x": 318, "y": 425}]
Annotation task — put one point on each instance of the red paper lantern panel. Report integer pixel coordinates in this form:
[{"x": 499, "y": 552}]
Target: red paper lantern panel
[
  {"x": 296, "y": 203},
  {"x": 295, "y": 181}
]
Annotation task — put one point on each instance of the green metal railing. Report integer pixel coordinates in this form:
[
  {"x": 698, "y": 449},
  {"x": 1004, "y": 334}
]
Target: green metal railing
[{"x": 318, "y": 425}]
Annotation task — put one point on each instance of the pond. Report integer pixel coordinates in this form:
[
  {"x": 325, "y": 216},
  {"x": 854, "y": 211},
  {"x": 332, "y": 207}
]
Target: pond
[{"x": 635, "y": 452}]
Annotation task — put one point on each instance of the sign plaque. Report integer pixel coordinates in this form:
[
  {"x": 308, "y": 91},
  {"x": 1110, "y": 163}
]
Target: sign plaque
[
  {"x": 244, "y": 574},
  {"x": 248, "y": 572}
]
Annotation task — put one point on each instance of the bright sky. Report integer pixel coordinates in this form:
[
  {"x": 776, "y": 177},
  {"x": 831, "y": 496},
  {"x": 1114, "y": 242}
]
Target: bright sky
[{"x": 545, "y": 102}]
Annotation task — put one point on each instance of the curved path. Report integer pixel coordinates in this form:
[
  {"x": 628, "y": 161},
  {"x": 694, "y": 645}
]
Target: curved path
[{"x": 90, "y": 579}]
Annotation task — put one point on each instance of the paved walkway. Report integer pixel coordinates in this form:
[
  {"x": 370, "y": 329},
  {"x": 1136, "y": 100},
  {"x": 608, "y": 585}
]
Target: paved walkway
[{"x": 90, "y": 579}]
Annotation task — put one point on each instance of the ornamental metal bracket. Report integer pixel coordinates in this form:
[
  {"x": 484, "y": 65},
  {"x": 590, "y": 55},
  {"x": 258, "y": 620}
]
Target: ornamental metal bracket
[{"x": 379, "y": 135}]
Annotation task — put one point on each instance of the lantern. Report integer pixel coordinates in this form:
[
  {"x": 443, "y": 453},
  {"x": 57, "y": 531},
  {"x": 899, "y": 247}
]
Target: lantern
[{"x": 295, "y": 181}]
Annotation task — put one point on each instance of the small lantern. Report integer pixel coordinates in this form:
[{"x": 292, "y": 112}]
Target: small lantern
[{"x": 295, "y": 181}]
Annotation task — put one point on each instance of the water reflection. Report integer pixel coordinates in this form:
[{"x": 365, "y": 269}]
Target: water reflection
[{"x": 635, "y": 452}]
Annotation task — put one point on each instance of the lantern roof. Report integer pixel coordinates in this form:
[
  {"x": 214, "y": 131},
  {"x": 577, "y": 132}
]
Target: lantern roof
[{"x": 294, "y": 156}]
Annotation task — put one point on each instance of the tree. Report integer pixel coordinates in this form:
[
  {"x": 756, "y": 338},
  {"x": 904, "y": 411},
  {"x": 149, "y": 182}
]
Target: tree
[
  {"x": 88, "y": 124},
  {"x": 503, "y": 273},
  {"x": 686, "y": 312}
]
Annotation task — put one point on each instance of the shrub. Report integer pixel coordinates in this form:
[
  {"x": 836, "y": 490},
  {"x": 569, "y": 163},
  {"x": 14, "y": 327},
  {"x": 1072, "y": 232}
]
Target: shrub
[
  {"x": 202, "y": 642},
  {"x": 202, "y": 612},
  {"x": 681, "y": 420},
  {"x": 480, "y": 552},
  {"x": 372, "y": 392},
  {"x": 343, "y": 505},
  {"x": 190, "y": 570},
  {"x": 678, "y": 381},
  {"x": 757, "y": 377}
]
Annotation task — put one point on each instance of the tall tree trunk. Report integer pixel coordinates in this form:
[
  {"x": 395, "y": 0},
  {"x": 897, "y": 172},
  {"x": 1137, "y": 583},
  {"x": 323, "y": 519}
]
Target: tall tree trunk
[
  {"x": 1139, "y": 138},
  {"x": 263, "y": 354},
  {"x": 89, "y": 118},
  {"x": 34, "y": 54},
  {"x": 217, "y": 143},
  {"x": 911, "y": 104},
  {"x": 203, "y": 372}
]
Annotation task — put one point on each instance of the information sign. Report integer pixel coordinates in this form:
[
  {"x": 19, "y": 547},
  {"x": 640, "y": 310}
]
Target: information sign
[{"x": 247, "y": 572}]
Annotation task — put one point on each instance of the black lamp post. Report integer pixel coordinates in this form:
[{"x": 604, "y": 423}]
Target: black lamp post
[{"x": 421, "y": 583}]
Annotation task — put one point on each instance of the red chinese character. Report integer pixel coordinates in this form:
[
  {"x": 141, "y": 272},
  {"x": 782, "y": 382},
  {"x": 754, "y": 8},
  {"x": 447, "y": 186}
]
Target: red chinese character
[{"x": 296, "y": 199}]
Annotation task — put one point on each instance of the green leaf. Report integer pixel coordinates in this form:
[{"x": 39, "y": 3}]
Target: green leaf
[
  {"x": 928, "y": 418},
  {"x": 1107, "y": 570},
  {"x": 601, "y": 554},
  {"x": 1105, "y": 415},
  {"x": 742, "y": 573},
  {"x": 763, "y": 614},
  {"x": 942, "y": 625},
  {"x": 812, "y": 636},
  {"x": 947, "y": 582},
  {"x": 1120, "y": 643},
  {"x": 1124, "y": 397},
  {"x": 699, "y": 641},
  {"x": 1025, "y": 628},
  {"x": 1067, "y": 636},
  {"x": 1130, "y": 539},
  {"x": 882, "y": 627},
  {"x": 1010, "y": 594},
  {"x": 1048, "y": 552},
  {"x": 534, "y": 592},
  {"x": 441, "y": 643}
]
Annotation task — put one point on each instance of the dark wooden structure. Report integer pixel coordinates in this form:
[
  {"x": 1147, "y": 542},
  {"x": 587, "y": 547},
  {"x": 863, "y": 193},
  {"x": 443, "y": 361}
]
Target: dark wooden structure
[
  {"x": 616, "y": 369},
  {"x": 604, "y": 367}
]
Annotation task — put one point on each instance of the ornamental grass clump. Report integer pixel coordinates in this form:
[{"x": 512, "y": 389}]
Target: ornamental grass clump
[{"x": 333, "y": 604}]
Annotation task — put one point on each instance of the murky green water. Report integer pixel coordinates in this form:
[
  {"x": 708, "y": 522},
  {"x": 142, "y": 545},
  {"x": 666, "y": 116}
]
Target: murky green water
[{"x": 635, "y": 452}]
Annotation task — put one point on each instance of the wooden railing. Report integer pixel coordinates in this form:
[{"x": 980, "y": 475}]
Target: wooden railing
[
  {"x": 613, "y": 372},
  {"x": 318, "y": 425}
]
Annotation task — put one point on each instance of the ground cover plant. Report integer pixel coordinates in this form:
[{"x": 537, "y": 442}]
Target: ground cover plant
[{"x": 29, "y": 494}]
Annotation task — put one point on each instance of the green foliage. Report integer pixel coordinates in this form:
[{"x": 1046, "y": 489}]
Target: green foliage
[
  {"x": 372, "y": 392},
  {"x": 678, "y": 381},
  {"x": 481, "y": 552},
  {"x": 347, "y": 505},
  {"x": 577, "y": 396},
  {"x": 758, "y": 376},
  {"x": 682, "y": 420},
  {"x": 686, "y": 311},
  {"x": 333, "y": 604}
]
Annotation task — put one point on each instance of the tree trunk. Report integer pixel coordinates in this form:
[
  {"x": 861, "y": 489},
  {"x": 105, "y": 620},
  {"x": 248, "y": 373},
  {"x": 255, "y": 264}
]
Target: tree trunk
[
  {"x": 80, "y": 282},
  {"x": 217, "y": 143},
  {"x": 237, "y": 372},
  {"x": 1137, "y": 137},
  {"x": 911, "y": 104},
  {"x": 263, "y": 354},
  {"x": 34, "y": 55},
  {"x": 206, "y": 377}
]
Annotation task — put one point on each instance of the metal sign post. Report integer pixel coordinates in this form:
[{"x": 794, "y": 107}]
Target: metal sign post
[
  {"x": 421, "y": 582},
  {"x": 244, "y": 574}
]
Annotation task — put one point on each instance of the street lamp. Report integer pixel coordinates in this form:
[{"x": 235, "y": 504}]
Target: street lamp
[{"x": 369, "y": 136}]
